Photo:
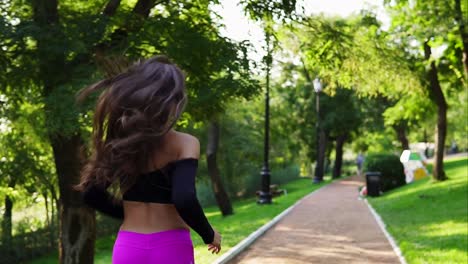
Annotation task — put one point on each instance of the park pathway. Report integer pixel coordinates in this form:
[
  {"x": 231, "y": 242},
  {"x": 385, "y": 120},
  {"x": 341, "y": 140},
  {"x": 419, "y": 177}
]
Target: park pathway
[{"x": 329, "y": 226}]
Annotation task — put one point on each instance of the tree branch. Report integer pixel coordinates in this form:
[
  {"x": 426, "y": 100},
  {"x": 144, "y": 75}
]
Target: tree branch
[
  {"x": 45, "y": 12},
  {"x": 463, "y": 34},
  {"x": 306, "y": 72},
  {"x": 111, "y": 7},
  {"x": 143, "y": 7}
]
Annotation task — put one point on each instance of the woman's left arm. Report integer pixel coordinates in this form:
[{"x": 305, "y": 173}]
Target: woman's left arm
[
  {"x": 99, "y": 198},
  {"x": 185, "y": 199}
]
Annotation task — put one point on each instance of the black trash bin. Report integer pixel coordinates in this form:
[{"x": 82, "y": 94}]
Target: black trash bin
[{"x": 373, "y": 183}]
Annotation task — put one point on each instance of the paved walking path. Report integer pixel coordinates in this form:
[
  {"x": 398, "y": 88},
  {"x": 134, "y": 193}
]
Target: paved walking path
[{"x": 330, "y": 226}]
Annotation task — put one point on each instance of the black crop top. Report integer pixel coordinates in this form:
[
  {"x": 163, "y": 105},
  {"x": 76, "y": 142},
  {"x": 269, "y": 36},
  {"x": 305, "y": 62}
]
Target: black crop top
[
  {"x": 172, "y": 184},
  {"x": 153, "y": 187}
]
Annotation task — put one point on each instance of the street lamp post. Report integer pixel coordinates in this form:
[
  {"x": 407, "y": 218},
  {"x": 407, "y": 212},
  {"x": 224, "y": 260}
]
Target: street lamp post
[
  {"x": 265, "y": 194},
  {"x": 318, "y": 177}
]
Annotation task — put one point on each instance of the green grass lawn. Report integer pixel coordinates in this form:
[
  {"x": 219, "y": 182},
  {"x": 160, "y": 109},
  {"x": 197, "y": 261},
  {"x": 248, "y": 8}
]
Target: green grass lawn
[
  {"x": 429, "y": 220},
  {"x": 248, "y": 217}
]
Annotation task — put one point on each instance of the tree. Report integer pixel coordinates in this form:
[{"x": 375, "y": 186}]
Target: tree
[
  {"x": 419, "y": 20},
  {"x": 407, "y": 113},
  {"x": 46, "y": 44},
  {"x": 340, "y": 115},
  {"x": 321, "y": 45},
  {"x": 461, "y": 21},
  {"x": 341, "y": 118},
  {"x": 22, "y": 159},
  {"x": 223, "y": 70},
  {"x": 357, "y": 54}
]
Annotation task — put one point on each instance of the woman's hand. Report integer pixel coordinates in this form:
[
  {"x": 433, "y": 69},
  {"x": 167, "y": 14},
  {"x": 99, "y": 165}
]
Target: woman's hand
[{"x": 215, "y": 246}]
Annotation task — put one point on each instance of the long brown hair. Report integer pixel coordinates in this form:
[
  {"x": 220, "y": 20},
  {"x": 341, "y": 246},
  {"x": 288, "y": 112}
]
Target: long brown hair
[{"x": 135, "y": 110}]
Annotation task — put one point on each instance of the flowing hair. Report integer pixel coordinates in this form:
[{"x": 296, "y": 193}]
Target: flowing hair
[{"x": 135, "y": 110}]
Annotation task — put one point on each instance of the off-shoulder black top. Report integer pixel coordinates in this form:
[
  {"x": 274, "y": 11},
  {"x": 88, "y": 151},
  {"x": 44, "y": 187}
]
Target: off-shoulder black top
[{"x": 172, "y": 184}]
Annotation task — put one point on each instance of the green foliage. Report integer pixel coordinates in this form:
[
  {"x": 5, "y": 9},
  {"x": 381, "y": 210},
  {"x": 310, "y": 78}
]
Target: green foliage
[
  {"x": 246, "y": 183},
  {"x": 418, "y": 25},
  {"x": 25, "y": 161},
  {"x": 241, "y": 135},
  {"x": 428, "y": 219},
  {"x": 205, "y": 193},
  {"x": 240, "y": 155},
  {"x": 390, "y": 167},
  {"x": 457, "y": 117},
  {"x": 43, "y": 65},
  {"x": 294, "y": 95},
  {"x": 216, "y": 74},
  {"x": 284, "y": 175},
  {"x": 374, "y": 141},
  {"x": 412, "y": 109},
  {"x": 64, "y": 54},
  {"x": 340, "y": 113},
  {"x": 417, "y": 22},
  {"x": 275, "y": 9},
  {"x": 51, "y": 50},
  {"x": 353, "y": 53}
]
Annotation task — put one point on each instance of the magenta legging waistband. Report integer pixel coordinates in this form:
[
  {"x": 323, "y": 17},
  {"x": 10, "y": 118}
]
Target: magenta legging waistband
[{"x": 171, "y": 246}]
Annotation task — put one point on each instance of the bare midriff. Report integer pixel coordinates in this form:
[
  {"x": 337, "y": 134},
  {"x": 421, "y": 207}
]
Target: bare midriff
[{"x": 149, "y": 218}]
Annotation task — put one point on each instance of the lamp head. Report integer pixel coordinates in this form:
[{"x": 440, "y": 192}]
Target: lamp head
[{"x": 317, "y": 85}]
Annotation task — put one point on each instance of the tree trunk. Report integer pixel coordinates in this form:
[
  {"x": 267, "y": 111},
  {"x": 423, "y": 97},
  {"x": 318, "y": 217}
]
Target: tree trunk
[
  {"x": 319, "y": 168},
  {"x": 111, "y": 7},
  {"x": 7, "y": 217},
  {"x": 328, "y": 151},
  {"x": 400, "y": 130},
  {"x": 55, "y": 221},
  {"x": 461, "y": 21},
  {"x": 426, "y": 149},
  {"x": 77, "y": 222},
  {"x": 46, "y": 202},
  {"x": 441, "y": 132},
  {"x": 437, "y": 96},
  {"x": 49, "y": 219},
  {"x": 6, "y": 222},
  {"x": 77, "y": 227},
  {"x": 222, "y": 199},
  {"x": 340, "y": 140},
  {"x": 143, "y": 7}
]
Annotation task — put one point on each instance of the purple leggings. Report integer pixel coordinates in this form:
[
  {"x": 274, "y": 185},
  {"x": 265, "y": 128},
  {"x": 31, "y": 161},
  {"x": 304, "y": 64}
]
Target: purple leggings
[{"x": 166, "y": 247}]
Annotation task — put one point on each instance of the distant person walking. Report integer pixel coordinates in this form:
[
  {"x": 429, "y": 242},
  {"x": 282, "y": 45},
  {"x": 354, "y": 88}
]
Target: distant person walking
[
  {"x": 153, "y": 166},
  {"x": 359, "y": 163}
]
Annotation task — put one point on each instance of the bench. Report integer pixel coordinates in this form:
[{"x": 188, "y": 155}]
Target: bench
[{"x": 275, "y": 191}]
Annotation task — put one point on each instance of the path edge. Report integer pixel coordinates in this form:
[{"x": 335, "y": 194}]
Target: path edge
[
  {"x": 389, "y": 237},
  {"x": 246, "y": 242}
]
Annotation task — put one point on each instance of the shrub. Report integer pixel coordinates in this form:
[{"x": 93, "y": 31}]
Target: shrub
[
  {"x": 205, "y": 193},
  {"x": 348, "y": 168},
  {"x": 285, "y": 174},
  {"x": 390, "y": 167},
  {"x": 278, "y": 175},
  {"x": 245, "y": 185}
]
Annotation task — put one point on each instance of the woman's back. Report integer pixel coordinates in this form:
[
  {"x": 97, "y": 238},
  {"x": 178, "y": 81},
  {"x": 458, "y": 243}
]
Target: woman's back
[{"x": 150, "y": 217}]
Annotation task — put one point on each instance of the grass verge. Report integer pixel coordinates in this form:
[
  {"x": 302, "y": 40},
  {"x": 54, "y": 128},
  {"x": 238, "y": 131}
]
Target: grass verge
[
  {"x": 429, "y": 220},
  {"x": 248, "y": 217}
]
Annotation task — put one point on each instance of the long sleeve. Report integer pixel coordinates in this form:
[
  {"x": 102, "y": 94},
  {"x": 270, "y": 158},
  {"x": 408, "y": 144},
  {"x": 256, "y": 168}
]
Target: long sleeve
[
  {"x": 98, "y": 198},
  {"x": 185, "y": 199}
]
